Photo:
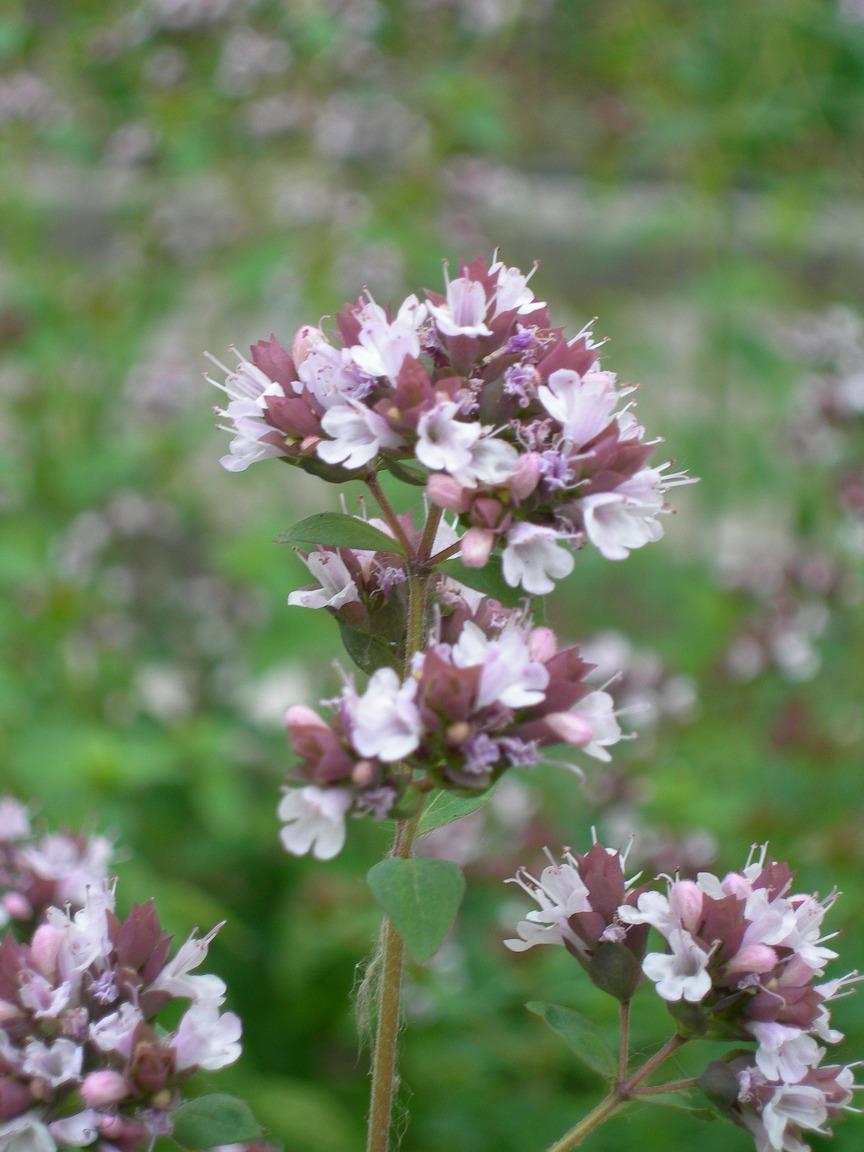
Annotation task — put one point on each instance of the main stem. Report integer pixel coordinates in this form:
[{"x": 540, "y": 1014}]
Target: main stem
[{"x": 391, "y": 953}]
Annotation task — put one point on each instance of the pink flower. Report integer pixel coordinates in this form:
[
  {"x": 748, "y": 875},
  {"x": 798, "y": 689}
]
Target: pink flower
[
  {"x": 385, "y": 721},
  {"x": 534, "y": 560},
  {"x": 314, "y": 818},
  {"x": 206, "y": 1039}
]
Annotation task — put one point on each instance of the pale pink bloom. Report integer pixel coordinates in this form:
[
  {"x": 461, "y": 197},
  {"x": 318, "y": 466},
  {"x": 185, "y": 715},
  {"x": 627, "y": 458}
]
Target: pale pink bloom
[
  {"x": 464, "y": 313},
  {"x": 791, "y": 1107},
  {"x": 14, "y": 820},
  {"x": 492, "y": 462},
  {"x": 784, "y": 1053},
  {"x": 597, "y": 711},
  {"x": 247, "y": 388},
  {"x": 175, "y": 978},
  {"x": 26, "y": 1133},
  {"x": 45, "y": 999},
  {"x": 534, "y": 559},
  {"x": 561, "y": 893},
  {"x": 74, "y": 866},
  {"x": 114, "y": 1033},
  {"x": 384, "y": 345},
  {"x": 582, "y": 405},
  {"x": 443, "y": 441},
  {"x": 681, "y": 974},
  {"x": 385, "y": 721},
  {"x": 509, "y": 674},
  {"x": 337, "y": 587},
  {"x": 328, "y": 373},
  {"x": 512, "y": 291},
  {"x": 681, "y": 908},
  {"x": 56, "y": 1064},
  {"x": 617, "y": 522},
  {"x": 206, "y": 1039},
  {"x": 86, "y": 939},
  {"x": 314, "y": 819},
  {"x": 358, "y": 435},
  {"x": 77, "y": 1131}
]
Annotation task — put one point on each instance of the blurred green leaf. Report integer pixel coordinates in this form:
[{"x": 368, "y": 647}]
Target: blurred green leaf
[
  {"x": 580, "y": 1035},
  {"x": 445, "y": 807},
  {"x": 212, "y": 1120},
  {"x": 369, "y": 652},
  {"x": 337, "y": 530},
  {"x": 421, "y": 897},
  {"x": 489, "y": 580}
]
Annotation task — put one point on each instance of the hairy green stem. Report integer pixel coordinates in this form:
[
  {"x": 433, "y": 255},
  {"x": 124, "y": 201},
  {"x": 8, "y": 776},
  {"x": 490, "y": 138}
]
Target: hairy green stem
[
  {"x": 670, "y": 1086},
  {"x": 624, "y": 1043},
  {"x": 620, "y": 1094},
  {"x": 391, "y": 951}
]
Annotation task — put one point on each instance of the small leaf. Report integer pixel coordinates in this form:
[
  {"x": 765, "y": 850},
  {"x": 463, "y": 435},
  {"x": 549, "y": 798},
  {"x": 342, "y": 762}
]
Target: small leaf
[
  {"x": 580, "y": 1034},
  {"x": 339, "y": 531},
  {"x": 421, "y": 897},
  {"x": 488, "y": 580},
  {"x": 409, "y": 472},
  {"x": 445, "y": 807},
  {"x": 682, "y": 1101},
  {"x": 212, "y": 1120},
  {"x": 368, "y": 652}
]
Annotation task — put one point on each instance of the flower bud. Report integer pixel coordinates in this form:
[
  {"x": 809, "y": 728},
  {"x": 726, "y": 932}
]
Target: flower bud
[
  {"x": 44, "y": 947},
  {"x": 299, "y": 716},
  {"x": 305, "y": 340},
  {"x": 752, "y": 958},
  {"x": 15, "y": 1098},
  {"x": 477, "y": 543},
  {"x": 363, "y": 774},
  {"x": 526, "y": 477},
  {"x": 542, "y": 644},
  {"x": 570, "y": 728},
  {"x": 487, "y": 512},
  {"x": 720, "y": 1084},
  {"x": 447, "y": 493},
  {"x": 459, "y": 732},
  {"x": 104, "y": 1087},
  {"x": 686, "y": 899},
  {"x": 17, "y": 906}
]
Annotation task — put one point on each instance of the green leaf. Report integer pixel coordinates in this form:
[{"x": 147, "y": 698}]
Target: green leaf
[
  {"x": 408, "y": 471},
  {"x": 339, "y": 531},
  {"x": 488, "y": 580},
  {"x": 368, "y": 652},
  {"x": 681, "y": 1101},
  {"x": 421, "y": 897},
  {"x": 212, "y": 1120},
  {"x": 580, "y": 1034},
  {"x": 445, "y": 807}
]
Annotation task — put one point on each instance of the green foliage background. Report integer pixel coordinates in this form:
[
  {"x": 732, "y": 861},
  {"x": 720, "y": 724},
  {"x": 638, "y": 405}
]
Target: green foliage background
[{"x": 691, "y": 173}]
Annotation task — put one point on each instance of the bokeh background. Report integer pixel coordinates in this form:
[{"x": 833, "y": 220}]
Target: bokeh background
[{"x": 181, "y": 175}]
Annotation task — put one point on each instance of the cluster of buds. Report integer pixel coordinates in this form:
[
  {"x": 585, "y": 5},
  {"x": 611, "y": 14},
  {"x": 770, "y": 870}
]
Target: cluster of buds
[
  {"x": 508, "y": 424},
  {"x": 745, "y": 960},
  {"x": 83, "y": 1061},
  {"x": 490, "y": 693},
  {"x": 39, "y": 872}
]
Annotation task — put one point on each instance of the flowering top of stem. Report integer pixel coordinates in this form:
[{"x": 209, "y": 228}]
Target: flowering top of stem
[{"x": 515, "y": 428}]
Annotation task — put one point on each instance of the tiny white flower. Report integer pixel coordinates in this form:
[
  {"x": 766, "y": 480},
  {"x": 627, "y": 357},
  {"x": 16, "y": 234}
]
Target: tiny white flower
[
  {"x": 793, "y": 1106},
  {"x": 512, "y": 291},
  {"x": 384, "y": 345},
  {"x": 77, "y": 1131},
  {"x": 443, "y": 441},
  {"x": 492, "y": 462},
  {"x": 534, "y": 559},
  {"x": 114, "y": 1033},
  {"x": 206, "y": 1039},
  {"x": 175, "y": 978},
  {"x": 785, "y": 1053},
  {"x": 681, "y": 974},
  {"x": 314, "y": 819},
  {"x": 358, "y": 435},
  {"x": 14, "y": 820},
  {"x": 56, "y": 1063},
  {"x": 582, "y": 405},
  {"x": 561, "y": 893},
  {"x": 337, "y": 587},
  {"x": 26, "y": 1133},
  {"x": 464, "y": 313},
  {"x": 617, "y": 522},
  {"x": 254, "y": 439},
  {"x": 597, "y": 709},
  {"x": 385, "y": 720},
  {"x": 509, "y": 674}
]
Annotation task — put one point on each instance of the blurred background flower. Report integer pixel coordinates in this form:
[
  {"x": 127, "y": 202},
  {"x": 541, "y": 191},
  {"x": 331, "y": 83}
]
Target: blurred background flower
[{"x": 177, "y": 173}]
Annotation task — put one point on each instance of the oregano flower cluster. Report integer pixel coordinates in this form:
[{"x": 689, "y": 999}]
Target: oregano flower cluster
[
  {"x": 744, "y": 959},
  {"x": 84, "y": 1061},
  {"x": 476, "y": 396}
]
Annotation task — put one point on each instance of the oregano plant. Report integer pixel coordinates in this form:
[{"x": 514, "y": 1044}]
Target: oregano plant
[{"x": 522, "y": 450}]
